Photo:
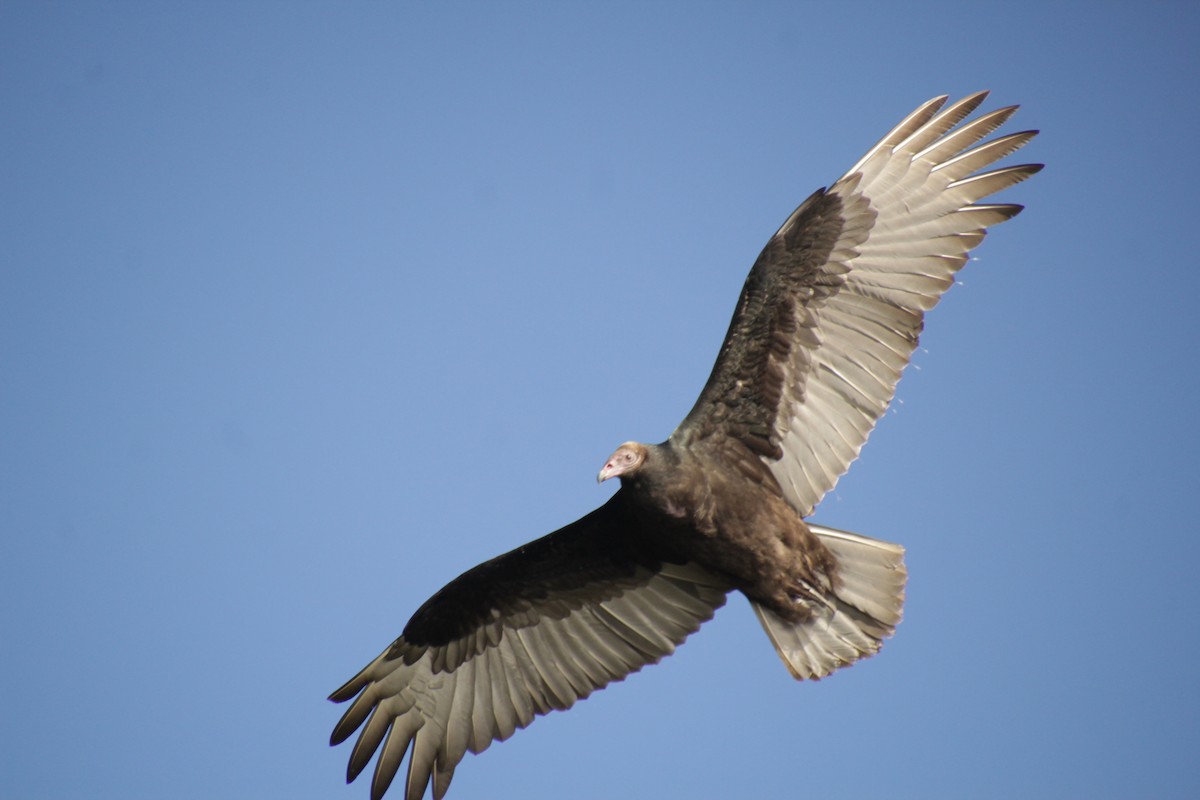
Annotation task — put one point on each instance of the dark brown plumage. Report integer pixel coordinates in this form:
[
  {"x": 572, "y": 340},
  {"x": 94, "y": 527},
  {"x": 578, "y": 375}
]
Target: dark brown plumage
[{"x": 828, "y": 318}]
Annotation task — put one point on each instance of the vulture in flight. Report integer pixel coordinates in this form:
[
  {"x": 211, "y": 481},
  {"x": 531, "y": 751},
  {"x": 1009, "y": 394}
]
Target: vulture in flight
[{"x": 826, "y": 322}]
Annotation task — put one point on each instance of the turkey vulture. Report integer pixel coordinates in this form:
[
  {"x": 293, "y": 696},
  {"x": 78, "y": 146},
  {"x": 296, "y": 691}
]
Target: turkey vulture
[{"x": 826, "y": 322}]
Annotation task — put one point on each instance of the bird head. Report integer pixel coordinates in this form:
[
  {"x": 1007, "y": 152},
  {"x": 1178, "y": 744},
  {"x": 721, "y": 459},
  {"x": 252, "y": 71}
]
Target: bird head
[{"x": 627, "y": 460}]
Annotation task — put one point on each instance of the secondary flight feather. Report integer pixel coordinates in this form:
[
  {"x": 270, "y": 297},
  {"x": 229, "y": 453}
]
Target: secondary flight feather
[{"x": 827, "y": 320}]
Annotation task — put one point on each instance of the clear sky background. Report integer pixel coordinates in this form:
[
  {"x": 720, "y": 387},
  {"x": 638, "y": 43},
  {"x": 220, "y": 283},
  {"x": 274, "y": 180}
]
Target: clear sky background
[{"x": 307, "y": 308}]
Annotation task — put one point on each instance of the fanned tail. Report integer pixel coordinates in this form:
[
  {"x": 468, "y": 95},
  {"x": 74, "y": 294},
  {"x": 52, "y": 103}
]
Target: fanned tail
[{"x": 851, "y": 619}]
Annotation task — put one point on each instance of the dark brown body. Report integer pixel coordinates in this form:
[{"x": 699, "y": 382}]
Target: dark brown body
[{"x": 734, "y": 521}]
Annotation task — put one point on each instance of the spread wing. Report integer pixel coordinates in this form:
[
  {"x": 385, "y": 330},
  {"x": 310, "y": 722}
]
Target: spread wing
[
  {"x": 518, "y": 636},
  {"x": 831, "y": 311}
]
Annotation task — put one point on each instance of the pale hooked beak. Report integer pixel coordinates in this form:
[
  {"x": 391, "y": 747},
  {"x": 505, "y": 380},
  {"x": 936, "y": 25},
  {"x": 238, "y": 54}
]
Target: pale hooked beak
[{"x": 610, "y": 470}]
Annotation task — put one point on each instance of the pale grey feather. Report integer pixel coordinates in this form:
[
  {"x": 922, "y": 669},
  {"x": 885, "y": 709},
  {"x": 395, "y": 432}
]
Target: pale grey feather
[
  {"x": 502, "y": 682},
  {"x": 909, "y": 221}
]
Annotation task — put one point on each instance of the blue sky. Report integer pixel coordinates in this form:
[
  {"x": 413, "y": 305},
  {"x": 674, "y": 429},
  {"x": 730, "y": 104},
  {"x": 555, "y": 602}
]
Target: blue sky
[{"x": 307, "y": 308}]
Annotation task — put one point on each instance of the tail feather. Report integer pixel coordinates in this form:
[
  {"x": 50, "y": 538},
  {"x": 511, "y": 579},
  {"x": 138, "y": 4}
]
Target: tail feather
[{"x": 854, "y": 616}]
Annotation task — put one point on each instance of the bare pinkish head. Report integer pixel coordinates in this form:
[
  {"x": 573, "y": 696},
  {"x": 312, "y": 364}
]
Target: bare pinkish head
[{"x": 627, "y": 460}]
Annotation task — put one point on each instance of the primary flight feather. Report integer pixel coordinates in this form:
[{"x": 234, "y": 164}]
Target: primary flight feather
[{"x": 827, "y": 320}]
